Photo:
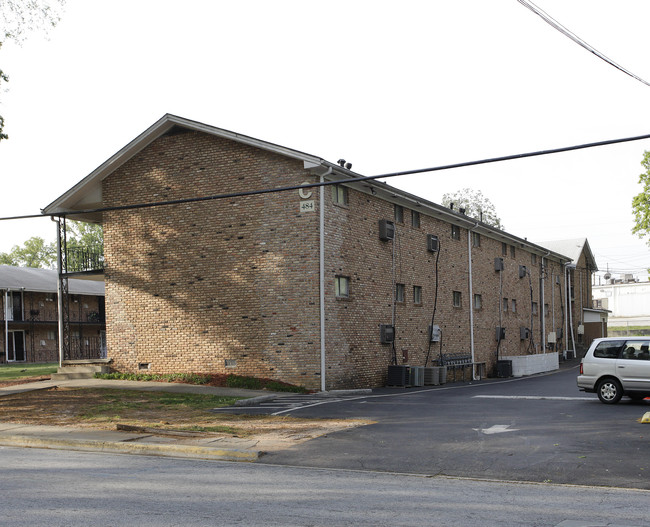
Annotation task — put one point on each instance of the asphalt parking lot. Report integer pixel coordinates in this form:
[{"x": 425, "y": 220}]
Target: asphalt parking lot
[{"x": 538, "y": 428}]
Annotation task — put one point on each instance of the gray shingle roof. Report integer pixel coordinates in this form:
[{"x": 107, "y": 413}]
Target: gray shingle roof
[{"x": 45, "y": 281}]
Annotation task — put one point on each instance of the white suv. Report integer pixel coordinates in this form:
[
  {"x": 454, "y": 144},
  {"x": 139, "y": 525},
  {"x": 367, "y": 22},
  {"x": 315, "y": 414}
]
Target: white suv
[{"x": 616, "y": 366}]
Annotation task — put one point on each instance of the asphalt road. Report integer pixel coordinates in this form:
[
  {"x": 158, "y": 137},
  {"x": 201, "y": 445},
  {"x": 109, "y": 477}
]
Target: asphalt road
[
  {"x": 42, "y": 488},
  {"x": 539, "y": 429}
]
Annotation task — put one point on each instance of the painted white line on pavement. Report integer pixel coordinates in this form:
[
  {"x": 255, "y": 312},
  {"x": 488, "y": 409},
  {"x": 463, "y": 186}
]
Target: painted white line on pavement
[{"x": 534, "y": 397}]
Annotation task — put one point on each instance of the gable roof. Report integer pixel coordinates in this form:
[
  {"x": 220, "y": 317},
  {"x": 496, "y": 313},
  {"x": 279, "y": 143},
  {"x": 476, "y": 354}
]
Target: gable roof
[
  {"x": 87, "y": 194},
  {"x": 573, "y": 248},
  {"x": 45, "y": 281}
]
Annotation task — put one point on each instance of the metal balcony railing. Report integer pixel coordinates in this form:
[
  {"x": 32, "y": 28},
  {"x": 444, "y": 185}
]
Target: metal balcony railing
[{"x": 83, "y": 259}]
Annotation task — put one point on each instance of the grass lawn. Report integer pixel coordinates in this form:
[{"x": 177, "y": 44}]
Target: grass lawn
[{"x": 10, "y": 372}]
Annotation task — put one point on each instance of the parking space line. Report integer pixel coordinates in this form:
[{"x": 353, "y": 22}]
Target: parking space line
[{"x": 534, "y": 397}]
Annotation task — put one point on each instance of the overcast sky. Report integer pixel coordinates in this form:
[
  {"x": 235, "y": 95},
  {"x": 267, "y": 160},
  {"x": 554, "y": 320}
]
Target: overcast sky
[{"x": 388, "y": 86}]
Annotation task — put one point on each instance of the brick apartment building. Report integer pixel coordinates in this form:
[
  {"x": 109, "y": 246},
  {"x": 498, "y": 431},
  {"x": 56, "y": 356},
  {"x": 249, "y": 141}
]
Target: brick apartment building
[
  {"x": 30, "y": 333},
  {"x": 299, "y": 285}
]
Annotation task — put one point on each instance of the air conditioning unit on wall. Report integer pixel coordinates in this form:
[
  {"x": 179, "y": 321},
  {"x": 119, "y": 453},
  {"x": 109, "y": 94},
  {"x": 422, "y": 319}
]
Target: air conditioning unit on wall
[{"x": 386, "y": 230}]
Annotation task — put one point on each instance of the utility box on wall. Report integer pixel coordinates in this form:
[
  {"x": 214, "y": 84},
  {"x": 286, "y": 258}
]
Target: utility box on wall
[
  {"x": 434, "y": 333},
  {"x": 524, "y": 333},
  {"x": 498, "y": 264},
  {"x": 386, "y": 333},
  {"x": 500, "y": 333}
]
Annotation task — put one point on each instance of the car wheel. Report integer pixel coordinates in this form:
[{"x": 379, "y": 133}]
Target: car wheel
[{"x": 609, "y": 391}]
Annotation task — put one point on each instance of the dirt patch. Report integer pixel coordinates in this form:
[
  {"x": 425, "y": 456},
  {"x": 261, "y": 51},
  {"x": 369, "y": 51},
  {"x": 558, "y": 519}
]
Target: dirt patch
[
  {"x": 24, "y": 380},
  {"x": 105, "y": 409}
]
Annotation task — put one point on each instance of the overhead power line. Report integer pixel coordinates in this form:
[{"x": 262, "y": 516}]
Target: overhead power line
[
  {"x": 231, "y": 195},
  {"x": 555, "y": 24}
]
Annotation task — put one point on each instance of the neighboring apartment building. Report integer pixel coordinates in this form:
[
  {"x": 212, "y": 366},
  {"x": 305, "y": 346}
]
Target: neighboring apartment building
[
  {"x": 30, "y": 315},
  {"x": 586, "y": 321},
  {"x": 303, "y": 285}
]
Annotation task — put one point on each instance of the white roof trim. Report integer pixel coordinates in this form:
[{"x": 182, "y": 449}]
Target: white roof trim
[{"x": 88, "y": 186}]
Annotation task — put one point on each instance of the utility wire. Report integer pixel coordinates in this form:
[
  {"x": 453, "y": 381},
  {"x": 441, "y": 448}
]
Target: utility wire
[
  {"x": 334, "y": 182},
  {"x": 555, "y": 24}
]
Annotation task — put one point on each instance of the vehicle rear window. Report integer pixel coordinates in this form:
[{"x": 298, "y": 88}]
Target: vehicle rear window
[{"x": 608, "y": 349}]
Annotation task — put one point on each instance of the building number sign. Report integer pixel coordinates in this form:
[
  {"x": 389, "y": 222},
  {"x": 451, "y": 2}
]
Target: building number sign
[{"x": 306, "y": 204}]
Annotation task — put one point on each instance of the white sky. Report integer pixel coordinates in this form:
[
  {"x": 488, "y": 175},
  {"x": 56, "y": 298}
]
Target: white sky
[{"x": 388, "y": 86}]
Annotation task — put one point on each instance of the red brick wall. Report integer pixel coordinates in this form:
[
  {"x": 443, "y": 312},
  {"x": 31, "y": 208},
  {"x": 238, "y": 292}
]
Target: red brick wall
[
  {"x": 189, "y": 287},
  {"x": 194, "y": 287},
  {"x": 354, "y": 249}
]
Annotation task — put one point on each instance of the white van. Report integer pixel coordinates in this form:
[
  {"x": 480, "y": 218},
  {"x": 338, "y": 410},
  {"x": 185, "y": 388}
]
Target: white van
[{"x": 614, "y": 367}]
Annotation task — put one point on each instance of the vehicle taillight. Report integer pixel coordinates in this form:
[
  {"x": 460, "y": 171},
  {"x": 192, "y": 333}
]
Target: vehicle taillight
[{"x": 582, "y": 372}]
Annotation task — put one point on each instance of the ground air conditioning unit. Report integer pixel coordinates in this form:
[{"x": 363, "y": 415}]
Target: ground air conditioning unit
[
  {"x": 417, "y": 375},
  {"x": 399, "y": 376},
  {"x": 504, "y": 369},
  {"x": 432, "y": 376}
]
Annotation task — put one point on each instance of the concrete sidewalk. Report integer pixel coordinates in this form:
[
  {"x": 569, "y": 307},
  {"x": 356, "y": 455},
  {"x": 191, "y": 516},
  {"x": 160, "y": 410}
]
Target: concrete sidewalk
[{"x": 154, "y": 443}]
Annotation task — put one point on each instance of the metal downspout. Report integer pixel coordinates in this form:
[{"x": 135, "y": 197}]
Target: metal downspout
[
  {"x": 471, "y": 297},
  {"x": 321, "y": 211},
  {"x": 59, "y": 292}
]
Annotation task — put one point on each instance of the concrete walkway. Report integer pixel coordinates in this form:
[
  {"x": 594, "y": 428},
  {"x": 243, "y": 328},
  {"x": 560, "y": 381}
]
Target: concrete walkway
[{"x": 170, "y": 444}]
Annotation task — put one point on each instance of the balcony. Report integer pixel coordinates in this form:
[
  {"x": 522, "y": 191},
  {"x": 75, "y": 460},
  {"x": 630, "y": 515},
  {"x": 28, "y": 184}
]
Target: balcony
[{"x": 84, "y": 260}]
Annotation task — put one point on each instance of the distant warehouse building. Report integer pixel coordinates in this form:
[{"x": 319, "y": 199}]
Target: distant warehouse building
[{"x": 318, "y": 286}]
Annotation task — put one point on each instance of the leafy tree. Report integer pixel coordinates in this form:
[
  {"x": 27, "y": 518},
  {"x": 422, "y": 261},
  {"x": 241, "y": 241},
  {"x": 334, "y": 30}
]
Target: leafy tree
[
  {"x": 34, "y": 253},
  {"x": 476, "y": 205},
  {"x": 20, "y": 17},
  {"x": 88, "y": 237},
  {"x": 641, "y": 202}
]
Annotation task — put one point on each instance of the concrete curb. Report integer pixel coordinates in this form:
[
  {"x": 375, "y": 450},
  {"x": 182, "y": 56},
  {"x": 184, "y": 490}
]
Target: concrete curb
[
  {"x": 254, "y": 401},
  {"x": 148, "y": 449}
]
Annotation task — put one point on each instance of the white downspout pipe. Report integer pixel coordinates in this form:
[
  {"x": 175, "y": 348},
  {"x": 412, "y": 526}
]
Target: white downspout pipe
[
  {"x": 321, "y": 211},
  {"x": 569, "y": 313},
  {"x": 471, "y": 297}
]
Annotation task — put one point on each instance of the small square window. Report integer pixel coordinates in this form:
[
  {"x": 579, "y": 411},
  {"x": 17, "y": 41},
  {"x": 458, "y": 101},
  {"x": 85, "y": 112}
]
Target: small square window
[
  {"x": 514, "y": 305},
  {"x": 415, "y": 219},
  {"x": 399, "y": 214},
  {"x": 342, "y": 286},
  {"x": 546, "y": 310},
  {"x": 455, "y": 232},
  {"x": 533, "y": 259},
  {"x": 512, "y": 251},
  {"x": 505, "y": 304},
  {"x": 534, "y": 308},
  {"x": 478, "y": 301},
  {"x": 340, "y": 194},
  {"x": 417, "y": 294},
  {"x": 399, "y": 292},
  {"x": 457, "y": 299},
  {"x": 504, "y": 249},
  {"x": 476, "y": 239}
]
